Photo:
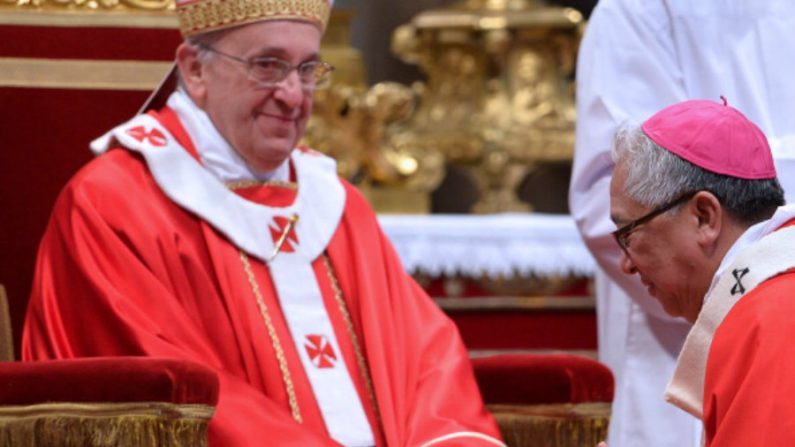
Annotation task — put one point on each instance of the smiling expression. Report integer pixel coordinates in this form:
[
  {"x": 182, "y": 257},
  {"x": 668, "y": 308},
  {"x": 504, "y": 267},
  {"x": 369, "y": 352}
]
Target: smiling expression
[{"x": 262, "y": 124}]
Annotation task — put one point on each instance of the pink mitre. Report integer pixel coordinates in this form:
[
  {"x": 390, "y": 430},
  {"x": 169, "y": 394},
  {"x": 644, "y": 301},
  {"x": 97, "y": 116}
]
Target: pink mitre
[{"x": 713, "y": 136}]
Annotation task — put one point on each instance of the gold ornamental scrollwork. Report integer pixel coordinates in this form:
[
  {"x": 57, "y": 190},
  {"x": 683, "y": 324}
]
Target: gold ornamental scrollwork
[{"x": 366, "y": 129}]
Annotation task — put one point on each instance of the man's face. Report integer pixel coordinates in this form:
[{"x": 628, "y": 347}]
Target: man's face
[
  {"x": 263, "y": 124},
  {"x": 661, "y": 251}
]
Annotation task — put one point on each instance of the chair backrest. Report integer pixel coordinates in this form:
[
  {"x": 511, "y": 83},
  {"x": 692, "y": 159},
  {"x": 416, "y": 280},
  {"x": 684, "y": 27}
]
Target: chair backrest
[{"x": 6, "y": 335}]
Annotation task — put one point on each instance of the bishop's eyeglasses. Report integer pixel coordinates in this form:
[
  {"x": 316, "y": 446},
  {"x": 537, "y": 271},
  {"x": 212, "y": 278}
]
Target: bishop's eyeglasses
[
  {"x": 269, "y": 71},
  {"x": 622, "y": 234}
]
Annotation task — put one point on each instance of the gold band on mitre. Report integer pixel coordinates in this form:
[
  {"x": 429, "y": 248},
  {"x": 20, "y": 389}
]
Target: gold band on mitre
[{"x": 200, "y": 16}]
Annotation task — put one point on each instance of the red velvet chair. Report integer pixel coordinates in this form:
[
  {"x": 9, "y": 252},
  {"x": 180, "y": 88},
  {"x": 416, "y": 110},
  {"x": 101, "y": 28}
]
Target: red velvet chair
[
  {"x": 554, "y": 400},
  {"x": 102, "y": 401},
  {"x": 537, "y": 400}
]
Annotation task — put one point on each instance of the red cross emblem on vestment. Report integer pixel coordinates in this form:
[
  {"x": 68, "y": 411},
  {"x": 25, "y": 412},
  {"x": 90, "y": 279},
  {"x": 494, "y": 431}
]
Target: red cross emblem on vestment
[
  {"x": 154, "y": 137},
  {"x": 278, "y": 228},
  {"x": 320, "y": 351}
]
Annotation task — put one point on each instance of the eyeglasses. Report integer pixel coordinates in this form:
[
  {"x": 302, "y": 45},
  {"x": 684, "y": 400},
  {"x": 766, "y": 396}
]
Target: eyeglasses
[
  {"x": 269, "y": 71},
  {"x": 622, "y": 234}
]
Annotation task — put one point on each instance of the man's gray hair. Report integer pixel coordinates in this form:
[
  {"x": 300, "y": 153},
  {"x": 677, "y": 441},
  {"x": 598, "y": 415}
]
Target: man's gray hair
[
  {"x": 200, "y": 42},
  {"x": 656, "y": 176}
]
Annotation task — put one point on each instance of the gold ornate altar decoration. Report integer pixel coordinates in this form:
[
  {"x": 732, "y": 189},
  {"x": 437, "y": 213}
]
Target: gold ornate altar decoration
[
  {"x": 499, "y": 98},
  {"x": 498, "y": 102},
  {"x": 364, "y": 129}
]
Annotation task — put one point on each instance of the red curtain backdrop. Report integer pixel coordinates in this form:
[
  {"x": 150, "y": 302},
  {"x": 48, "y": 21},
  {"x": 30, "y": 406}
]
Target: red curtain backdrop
[{"x": 46, "y": 131}]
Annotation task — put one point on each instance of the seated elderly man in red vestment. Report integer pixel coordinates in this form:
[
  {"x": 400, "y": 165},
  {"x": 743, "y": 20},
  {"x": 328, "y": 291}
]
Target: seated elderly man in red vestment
[
  {"x": 700, "y": 219},
  {"x": 204, "y": 233}
]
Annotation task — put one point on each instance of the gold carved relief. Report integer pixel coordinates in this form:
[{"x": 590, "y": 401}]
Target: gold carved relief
[
  {"x": 499, "y": 96},
  {"x": 366, "y": 129}
]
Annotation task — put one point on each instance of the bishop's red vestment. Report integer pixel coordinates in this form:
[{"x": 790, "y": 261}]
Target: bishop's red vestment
[
  {"x": 750, "y": 377},
  {"x": 145, "y": 255},
  {"x": 736, "y": 371}
]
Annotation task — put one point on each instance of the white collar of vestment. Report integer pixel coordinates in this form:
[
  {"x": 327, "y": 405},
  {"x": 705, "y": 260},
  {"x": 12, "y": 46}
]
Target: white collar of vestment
[
  {"x": 318, "y": 204},
  {"x": 215, "y": 153},
  {"x": 782, "y": 215},
  {"x": 762, "y": 252}
]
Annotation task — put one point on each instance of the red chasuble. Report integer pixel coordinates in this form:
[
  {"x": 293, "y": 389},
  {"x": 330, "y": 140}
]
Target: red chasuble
[
  {"x": 124, "y": 270},
  {"x": 749, "y": 389}
]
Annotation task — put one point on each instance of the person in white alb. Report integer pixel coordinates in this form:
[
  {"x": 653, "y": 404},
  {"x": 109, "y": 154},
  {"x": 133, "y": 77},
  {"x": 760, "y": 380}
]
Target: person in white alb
[{"x": 638, "y": 56}]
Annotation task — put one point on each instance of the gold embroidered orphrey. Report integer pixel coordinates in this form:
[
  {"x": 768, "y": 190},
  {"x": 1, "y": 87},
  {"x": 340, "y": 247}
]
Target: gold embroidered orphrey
[{"x": 277, "y": 346}]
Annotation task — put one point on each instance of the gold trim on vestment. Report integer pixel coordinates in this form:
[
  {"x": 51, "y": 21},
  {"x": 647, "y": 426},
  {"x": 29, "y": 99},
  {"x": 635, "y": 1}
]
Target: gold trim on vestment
[
  {"x": 360, "y": 359},
  {"x": 239, "y": 184},
  {"x": 81, "y": 74},
  {"x": 277, "y": 346},
  {"x": 346, "y": 315}
]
